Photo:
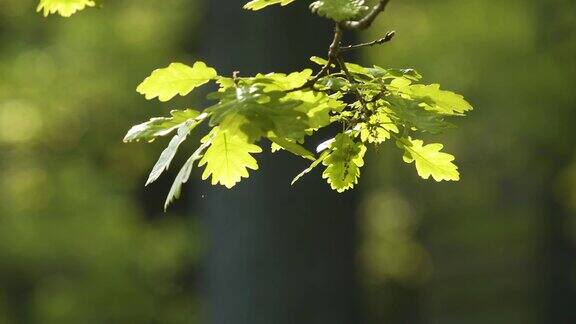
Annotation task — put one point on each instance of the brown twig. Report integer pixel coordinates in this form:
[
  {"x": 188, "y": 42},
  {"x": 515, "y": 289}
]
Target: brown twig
[
  {"x": 335, "y": 48},
  {"x": 389, "y": 36},
  {"x": 333, "y": 52}
]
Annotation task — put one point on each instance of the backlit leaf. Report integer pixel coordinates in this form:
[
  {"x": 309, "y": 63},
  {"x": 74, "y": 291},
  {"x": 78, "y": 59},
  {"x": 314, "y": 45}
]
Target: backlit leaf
[
  {"x": 64, "y": 8},
  {"x": 343, "y": 163},
  {"x": 228, "y": 158},
  {"x": 442, "y": 101},
  {"x": 259, "y": 4},
  {"x": 429, "y": 160},
  {"x": 412, "y": 114},
  {"x": 176, "y": 79}
]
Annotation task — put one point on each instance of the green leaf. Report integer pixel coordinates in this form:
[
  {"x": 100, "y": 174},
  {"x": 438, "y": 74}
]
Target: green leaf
[
  {"x": 412, "y": 114},
  {"x": 353, "y": 68},
  {"x": 311, "y": 167},
  {"x": 343, "y": 163},
  {"x": 378, "y": 72},
  {"x": 334, "y": 83},
  {"x": 442, "y": 101},
  {"x": 184, "y": 174},
  {"x": 176, "y": 79},
  {"x": 318, "y": 60},
  {"x": 64, "y": 8},
  {"x": 283, "y": 82},
  {"x": 162, "y": 126},
  {"x": 250, "y": 110},
  {"x": 338, "y": 10},
  {"x": 429, "y": 160},
  {"x": 292, "y": 147},
  {"x": 168, "y": 154},
  {"x": 377, "y": 129},
  {"x": 267, "y": 105},
  {"x": 259, "y": 4},
  {"x": 228, "y": 158},
  {"x": 317, "y": 106}
]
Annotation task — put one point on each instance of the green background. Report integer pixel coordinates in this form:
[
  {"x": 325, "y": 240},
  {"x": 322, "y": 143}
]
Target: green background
[{"x": 81, "y": 240}]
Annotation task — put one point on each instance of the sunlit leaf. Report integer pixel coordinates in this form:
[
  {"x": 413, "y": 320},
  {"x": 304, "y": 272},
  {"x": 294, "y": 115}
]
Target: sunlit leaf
[
  {"x": 442, "y": 101},
  {"x": 176, "y": 79},
  {"x": 259, "y": 4},
  {"x": 378, "y": 129},
  {"x": 412, "y": 114},
  {"x": 429, "y": 160},
  {"x": 343, "y": 163},
  {"x": 64, "y": 8},
  {"x": 228, "y": 158}
]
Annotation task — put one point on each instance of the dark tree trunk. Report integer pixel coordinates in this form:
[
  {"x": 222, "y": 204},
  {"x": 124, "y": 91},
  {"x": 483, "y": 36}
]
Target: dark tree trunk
[
  {"x": 277, "y": 254},
  {"x": 558, "y": 253}
]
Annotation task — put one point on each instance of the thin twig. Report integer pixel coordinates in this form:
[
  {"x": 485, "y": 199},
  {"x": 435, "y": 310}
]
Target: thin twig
[
  {"x": 367, "y": 20},
  {"x": 389, "y": 36},
  {"x": 333, "y": 53}
]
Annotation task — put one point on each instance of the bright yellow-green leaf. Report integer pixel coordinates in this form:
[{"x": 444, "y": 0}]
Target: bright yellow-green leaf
[
  {"x": 176, "y": 79},
  {"x": 429, "y": 160},
  {"x": 283, "y": 82},
  {"x": 317, "y": 106},
  {"x": 343, "y": 163},
  {"x": 228, "y": 158},
  {"x": 353, "y": 68},
  {"x": 64, "y": 8},
  {"x": 378, "y": 129},
  {"x": 442, "y": 101},
  {"x": 259, "y": 4}
]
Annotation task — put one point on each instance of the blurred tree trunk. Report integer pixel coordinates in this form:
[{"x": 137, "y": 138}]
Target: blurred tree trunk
[
  {"x": 277, "y": 254},
  {"x": 558, "y": 254}
]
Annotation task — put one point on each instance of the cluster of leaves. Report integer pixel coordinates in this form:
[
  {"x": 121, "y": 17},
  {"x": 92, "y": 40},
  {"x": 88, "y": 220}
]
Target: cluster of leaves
[
  {"x": 337, "y": 10},
  {"x": 374, "y": 105},
  {"x": 280, "y": 108}
]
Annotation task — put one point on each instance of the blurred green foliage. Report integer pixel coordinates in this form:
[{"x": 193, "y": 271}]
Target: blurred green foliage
[
  {"x": 487, "y": 237},
  {"x": 76, "y": 245}
]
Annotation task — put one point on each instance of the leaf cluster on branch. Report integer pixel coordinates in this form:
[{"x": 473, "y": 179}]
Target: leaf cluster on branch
[{"x": 373, "y": 105}]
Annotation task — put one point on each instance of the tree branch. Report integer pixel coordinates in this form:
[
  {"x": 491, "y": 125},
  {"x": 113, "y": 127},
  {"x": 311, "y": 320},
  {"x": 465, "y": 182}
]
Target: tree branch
[
  {"x": 367, "y": 20},
  {"x": 389, "y": 36},
  {"x": 333, "y": 53}
]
